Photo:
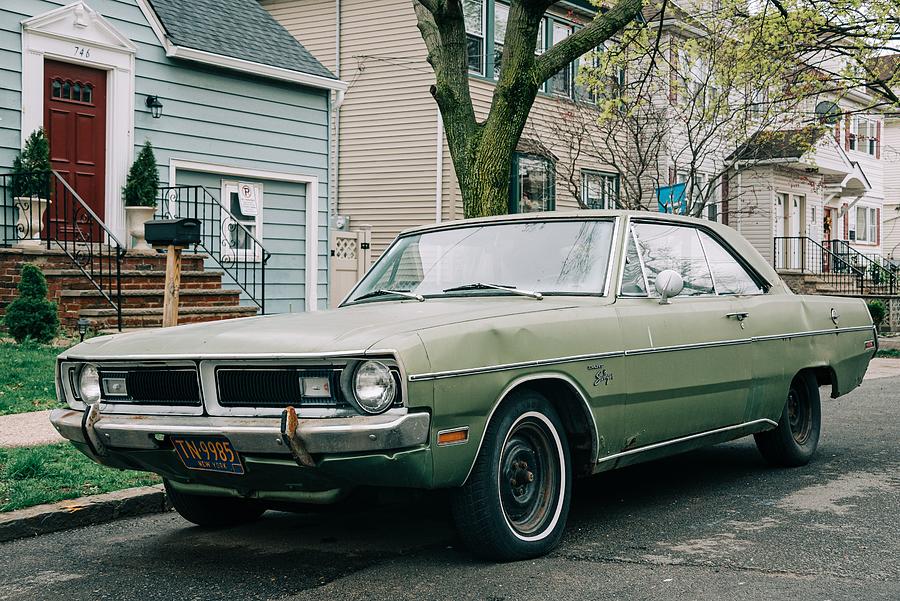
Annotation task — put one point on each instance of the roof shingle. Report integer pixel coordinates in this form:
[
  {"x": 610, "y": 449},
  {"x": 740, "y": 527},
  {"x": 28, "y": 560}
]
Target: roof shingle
[{"x": 239, "y": 29}]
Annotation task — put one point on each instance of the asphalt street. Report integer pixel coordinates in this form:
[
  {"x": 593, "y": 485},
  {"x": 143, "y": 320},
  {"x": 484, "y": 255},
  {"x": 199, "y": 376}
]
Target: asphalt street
[{"x": 713, "y": 524}]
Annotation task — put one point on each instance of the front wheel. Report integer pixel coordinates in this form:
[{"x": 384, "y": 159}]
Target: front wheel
[
  {"x": 213, "y": 512},
  {"x": 515, "y": 502},
  {"x": 794, "y": 441}
]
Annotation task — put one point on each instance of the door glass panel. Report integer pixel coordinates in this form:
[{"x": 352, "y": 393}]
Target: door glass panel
[
  {"x": 678, "y": 248},
  {"x": 730, "y": 277}
]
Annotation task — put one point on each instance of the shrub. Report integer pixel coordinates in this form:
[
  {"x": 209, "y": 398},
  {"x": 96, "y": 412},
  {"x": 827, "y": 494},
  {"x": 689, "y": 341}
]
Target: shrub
[
  {"x": 31, "y": 168},
  {"x": 31, "y": 315},
  {"x": 143, "y": 180},
  {"x": 877, "y": 310}
]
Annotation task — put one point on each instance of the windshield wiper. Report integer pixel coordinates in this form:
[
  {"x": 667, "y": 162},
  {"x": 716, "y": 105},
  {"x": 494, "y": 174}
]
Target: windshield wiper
[
  {"x": 506, "y": 288},
  {"x": 382, "y": 292}
]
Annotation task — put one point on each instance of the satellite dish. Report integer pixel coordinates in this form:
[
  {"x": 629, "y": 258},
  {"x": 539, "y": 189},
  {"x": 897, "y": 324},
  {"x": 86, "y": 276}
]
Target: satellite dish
[{"x": 828, "y": 112}]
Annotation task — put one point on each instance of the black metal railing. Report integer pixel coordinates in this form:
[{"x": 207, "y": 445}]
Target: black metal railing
[
  {"x": 230, "y": 243},
  {"x": 840, "y": 268},
  {"x": 57, "y": 217},
  {"x": 878, "y": 278}
]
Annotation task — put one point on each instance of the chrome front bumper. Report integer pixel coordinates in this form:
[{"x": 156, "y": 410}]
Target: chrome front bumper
[{"x": 248, "y": 435}]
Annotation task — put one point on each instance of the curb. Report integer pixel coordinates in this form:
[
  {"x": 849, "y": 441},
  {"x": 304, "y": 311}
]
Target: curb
[{"x": 83, "y": 511}]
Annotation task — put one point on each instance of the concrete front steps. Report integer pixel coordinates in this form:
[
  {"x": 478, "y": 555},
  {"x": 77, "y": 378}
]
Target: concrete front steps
[
  {"x": 201, "y": 297},
  {"x": 105, "y": 319}
]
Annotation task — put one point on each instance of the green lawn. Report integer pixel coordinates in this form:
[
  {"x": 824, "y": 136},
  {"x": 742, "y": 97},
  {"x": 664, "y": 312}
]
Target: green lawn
[
  {"x": 35, "y": 475},
  {"x": 26, "y": 377},
  {"x": 888, "y": 353}
]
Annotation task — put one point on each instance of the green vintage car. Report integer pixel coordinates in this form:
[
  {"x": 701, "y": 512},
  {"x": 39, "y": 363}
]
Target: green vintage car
[{"x": 499, "y": 358}]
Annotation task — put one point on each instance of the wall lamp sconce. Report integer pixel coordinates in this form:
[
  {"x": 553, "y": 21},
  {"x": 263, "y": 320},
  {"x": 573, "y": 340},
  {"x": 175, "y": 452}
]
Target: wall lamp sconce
[{"x": 155, "y": 106}]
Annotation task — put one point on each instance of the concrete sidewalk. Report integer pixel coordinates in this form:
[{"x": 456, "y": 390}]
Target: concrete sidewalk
[{"x": 27, "y": 430}]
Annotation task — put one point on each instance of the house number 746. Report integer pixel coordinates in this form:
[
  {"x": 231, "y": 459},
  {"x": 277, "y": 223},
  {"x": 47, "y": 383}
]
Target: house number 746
[{"x": 82, "y": 52}]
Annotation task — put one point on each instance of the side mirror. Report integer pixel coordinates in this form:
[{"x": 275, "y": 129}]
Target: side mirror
[{"x": 668, "y": 284}]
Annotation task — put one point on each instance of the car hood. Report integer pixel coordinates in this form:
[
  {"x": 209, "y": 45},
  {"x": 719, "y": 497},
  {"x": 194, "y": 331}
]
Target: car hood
[{"x": 354, "y": 328}]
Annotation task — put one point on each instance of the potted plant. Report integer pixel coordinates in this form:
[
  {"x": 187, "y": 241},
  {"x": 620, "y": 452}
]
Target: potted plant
[
  {"x": 140, "y": 192},
  {"x": 31, "y": 186}
]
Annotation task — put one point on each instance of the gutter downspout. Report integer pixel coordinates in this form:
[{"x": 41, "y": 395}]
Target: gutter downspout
[
  {"x": 339, "y": 100},
  {"x": 439, "y": 180}
]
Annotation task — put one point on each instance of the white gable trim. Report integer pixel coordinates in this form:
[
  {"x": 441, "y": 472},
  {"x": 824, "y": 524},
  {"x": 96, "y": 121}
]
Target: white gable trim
[
  {"x": 236, "y": 64},
  {"x": 311, "y": 216},
  {"x": 78, "y": 34}
]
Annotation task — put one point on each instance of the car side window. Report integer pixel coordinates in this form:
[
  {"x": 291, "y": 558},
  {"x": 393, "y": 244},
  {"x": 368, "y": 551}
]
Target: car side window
[
  {"x": 729, "y": 275},
  {"x": 633, "y": 275},
  {"x": 664, "y": 246}
]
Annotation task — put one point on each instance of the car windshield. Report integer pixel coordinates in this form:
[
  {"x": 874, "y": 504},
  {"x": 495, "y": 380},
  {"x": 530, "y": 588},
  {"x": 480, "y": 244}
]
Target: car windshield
[{"x": 549, "y": 257}]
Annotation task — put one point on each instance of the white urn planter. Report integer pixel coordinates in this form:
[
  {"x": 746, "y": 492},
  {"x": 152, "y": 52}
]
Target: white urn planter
[
  {"x": 31, "y": 219},
  {"x": 135, "y": 218}
]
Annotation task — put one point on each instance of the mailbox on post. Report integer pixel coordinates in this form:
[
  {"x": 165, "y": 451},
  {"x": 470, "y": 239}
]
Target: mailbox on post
[
  {"x": 176, "y": 232},
  {"x": 173, "y": 235}
]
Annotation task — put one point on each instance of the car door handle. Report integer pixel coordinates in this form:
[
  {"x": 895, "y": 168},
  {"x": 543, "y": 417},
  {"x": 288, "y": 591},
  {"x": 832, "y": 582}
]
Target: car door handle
[{"x": 738, "y": 315}]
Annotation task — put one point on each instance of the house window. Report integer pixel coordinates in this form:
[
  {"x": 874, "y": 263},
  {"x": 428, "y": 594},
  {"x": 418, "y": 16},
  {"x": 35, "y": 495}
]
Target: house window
[
  {"x": 483, "y": 15},
  {"x": 562, "y": 83},
  {"x": 501, "y": 17},
  {"x": 242, "y": 224},
  {"x": 863, "y": 135},
  {"x": 74, "y": 91},
  {"x": 533, "y": 184},
  {"x": 866, "y": 225},
  {"x": 473, "y": 11},
  {"x": 599, "y": 190}
]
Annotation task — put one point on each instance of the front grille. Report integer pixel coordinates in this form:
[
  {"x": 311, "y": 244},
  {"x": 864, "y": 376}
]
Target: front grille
[
  {"x": 155, "y": 386},
  {"x": 276, "y": 387}
]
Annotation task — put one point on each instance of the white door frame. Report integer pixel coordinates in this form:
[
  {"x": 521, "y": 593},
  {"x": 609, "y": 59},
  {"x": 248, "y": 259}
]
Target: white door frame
[
  {"x": 311, "y": 213},
  {"x": 78, "y": 34}
]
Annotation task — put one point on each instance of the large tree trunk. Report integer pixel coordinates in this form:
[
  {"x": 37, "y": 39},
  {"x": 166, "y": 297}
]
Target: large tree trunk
[{"x": 482, "y": 153}]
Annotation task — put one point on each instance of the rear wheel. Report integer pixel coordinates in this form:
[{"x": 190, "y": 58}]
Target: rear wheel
[
  {"x": 794, "y": 441},
  {"x": 515, "y": 503},
  {"x": 212, "y": 512}
]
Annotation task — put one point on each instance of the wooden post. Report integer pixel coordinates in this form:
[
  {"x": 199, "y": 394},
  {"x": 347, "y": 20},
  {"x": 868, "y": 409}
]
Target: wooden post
[{"x": 173, "y": 283}]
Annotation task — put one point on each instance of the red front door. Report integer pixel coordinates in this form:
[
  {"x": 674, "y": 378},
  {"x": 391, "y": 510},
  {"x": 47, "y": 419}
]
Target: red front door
[{"x": 75, "y": 122}]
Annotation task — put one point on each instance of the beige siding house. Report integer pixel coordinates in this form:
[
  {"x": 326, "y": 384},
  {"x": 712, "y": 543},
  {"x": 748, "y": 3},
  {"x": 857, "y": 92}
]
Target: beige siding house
[{"x": 392, "y": 167}]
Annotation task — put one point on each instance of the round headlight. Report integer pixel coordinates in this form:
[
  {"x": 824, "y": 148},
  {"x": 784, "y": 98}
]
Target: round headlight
[
  {"x": 374, "y": 387},
  {"x": 89, "y": 384}
]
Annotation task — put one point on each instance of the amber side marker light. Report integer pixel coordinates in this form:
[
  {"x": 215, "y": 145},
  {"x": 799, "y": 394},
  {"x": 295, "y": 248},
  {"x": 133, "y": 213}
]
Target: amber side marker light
[{"x": 455, "y": 436}]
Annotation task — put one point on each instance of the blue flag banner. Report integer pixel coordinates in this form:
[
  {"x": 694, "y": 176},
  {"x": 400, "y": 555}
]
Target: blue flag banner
[{"x": 671, "y": 199}]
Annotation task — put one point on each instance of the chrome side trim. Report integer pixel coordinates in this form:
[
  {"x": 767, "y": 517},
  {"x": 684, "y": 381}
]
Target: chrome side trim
[
  {"x": 870, "y": 328},
  {"x": 595, "y": 439},
  {"x": 438, "y": 375},
  {"x": 666, "y": 443},
  {"x": 687, "y": 347}
]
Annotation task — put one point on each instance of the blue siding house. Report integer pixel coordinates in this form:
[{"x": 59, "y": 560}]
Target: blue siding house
[{"x": 236, "y": 109}]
